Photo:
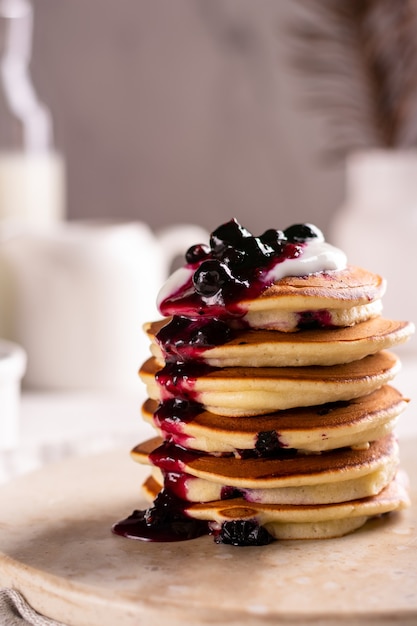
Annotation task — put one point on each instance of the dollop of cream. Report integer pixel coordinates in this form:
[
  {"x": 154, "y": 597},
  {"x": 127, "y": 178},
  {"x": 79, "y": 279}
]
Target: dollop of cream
[
  {"x": 317, "y": 256},
  {"x": 174, "y": 284}
]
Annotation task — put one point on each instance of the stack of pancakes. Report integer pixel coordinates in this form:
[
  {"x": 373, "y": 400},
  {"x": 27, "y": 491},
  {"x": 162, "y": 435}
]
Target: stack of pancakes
[{"x": 291, "y": 432}]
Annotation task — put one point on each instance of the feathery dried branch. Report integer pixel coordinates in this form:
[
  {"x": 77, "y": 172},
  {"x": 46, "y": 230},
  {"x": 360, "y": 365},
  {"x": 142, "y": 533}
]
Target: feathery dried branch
[{"x": 359, "y": 61}]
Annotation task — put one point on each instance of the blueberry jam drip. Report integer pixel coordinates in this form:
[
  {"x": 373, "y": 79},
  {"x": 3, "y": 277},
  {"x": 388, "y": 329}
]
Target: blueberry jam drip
[
  {"x": 170, "y": 416},
  {"x": 170, "y": 457},
  {"x": 176, "y": 380},
  {"x": 176, "y": 483},
  {"x": 183, "y": 339},
  {"x": 166, "y": 520},
  {"x": 235, "y": 266},
  {"x": 243, "y": 533}
]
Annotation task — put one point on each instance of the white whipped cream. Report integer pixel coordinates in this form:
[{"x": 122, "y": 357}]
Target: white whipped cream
[
  {"x": 174, "y": 284},
  {"x": 317, "y": 256}
]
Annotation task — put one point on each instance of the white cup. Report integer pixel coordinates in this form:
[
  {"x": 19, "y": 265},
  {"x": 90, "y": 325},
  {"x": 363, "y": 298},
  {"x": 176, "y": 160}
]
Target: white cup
[
  {"x": 80, "y": 293},
  {"x": 12, "y": 368}
]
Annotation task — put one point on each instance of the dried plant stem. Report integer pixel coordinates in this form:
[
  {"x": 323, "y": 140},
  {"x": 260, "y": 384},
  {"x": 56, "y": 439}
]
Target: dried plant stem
[{"x": 359, "y": 60}]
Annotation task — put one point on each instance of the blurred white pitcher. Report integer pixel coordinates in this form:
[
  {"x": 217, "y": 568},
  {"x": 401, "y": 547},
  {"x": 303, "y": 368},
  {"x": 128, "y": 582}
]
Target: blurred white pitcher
[{"x": 80, "y": 294}]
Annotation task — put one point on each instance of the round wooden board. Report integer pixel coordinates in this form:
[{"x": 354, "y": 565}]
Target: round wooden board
[{"x": 57, "y": 549}]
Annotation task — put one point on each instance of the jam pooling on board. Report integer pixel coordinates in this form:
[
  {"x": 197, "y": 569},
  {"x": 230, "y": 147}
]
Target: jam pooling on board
[
  {"x": 164, "y": 521},
  {"x": 204, "y": 298}
]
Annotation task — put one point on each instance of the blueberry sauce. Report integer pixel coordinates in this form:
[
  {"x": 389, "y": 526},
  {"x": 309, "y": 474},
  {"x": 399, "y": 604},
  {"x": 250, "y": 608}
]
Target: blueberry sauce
[
  {"x": 177, "y": 380},
  {"x": 170, "y": 416},
  {"x": 170, "y": 457},
  {"x": 176, "y": 411},
  {"x": 166, "y": 520},
  {"x": 183, "y": 339},
  {"x": 178, "y": 483}
]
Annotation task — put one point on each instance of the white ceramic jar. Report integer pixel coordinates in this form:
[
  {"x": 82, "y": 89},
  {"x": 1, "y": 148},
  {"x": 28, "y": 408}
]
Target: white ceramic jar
[{"x": 80, "y": 293}]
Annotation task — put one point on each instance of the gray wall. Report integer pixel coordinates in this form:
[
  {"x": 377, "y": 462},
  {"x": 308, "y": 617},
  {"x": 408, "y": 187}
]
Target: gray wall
[{"x": 182, "y": 110}]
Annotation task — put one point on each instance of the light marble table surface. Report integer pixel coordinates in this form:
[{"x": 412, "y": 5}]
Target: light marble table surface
[{"x": 57, "y": 425}]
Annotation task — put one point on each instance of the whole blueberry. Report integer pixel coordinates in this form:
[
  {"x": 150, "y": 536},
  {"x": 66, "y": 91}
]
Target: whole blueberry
[
  {"x": 229, "y": 234},
  {"x": 274, "y": 238},
  {"x": 162, "y": 510},
  {"x": 214, "y": 332},
  {"x": 232, "y": 257},
  {"x": 267, "y": 443},
  {"x": 256, "y": 251},
  {"x": 302, "y": 232},
  {"x": 243, "y": 533},
  {"x": 197, "y": 253},
  {"x": 209, "y": 278}
]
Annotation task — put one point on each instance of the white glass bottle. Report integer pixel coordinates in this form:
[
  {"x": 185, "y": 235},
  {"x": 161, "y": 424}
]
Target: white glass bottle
[
  {"x": 32, "y": 173},
  {"x": 31, "y": 170}
]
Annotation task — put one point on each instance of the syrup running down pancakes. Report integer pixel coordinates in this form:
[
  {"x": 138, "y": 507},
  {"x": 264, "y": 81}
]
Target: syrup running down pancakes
[{"x": 269, "y": 387}]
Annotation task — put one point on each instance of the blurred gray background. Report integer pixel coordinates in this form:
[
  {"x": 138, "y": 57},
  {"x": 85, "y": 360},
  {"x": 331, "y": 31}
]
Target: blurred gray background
[{"x": 183, "y": 111}]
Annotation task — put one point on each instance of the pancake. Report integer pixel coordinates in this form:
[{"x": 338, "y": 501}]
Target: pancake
[
  {"x": 344, "y": 296},
  {"x": 268, "y": 473},
  {"x": 308, "y": 522},
  {"x": 263, "y": 348},
  {"x": 314, "y": 429},
  {"x": 291, "y": 321},
  {"x": 286, "y": 521},
  {"x": 340, "y": 289},
  {"x": 248, "y": 391},
  {"x": 195, "y": 489}
]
